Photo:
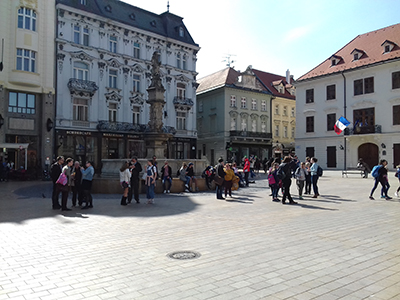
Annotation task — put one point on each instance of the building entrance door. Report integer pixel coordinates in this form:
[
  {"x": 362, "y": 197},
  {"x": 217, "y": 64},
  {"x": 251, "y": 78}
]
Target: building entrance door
[
  {"x": 369, "y": 153},
  {"x": 331, "y": 159},
  {"x": 396, "y": 155}
]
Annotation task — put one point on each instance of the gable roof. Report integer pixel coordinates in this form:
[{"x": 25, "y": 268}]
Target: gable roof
[
  {"x": 165, "y": 24},
  {"x": 270, "y": 80},
  {"x": 228, "y": 77},
  {"x": 370, "y": 43}
]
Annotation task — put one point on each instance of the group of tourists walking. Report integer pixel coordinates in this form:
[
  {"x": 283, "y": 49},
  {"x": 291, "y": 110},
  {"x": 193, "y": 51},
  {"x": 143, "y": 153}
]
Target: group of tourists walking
[
  {"x": 68, "y": 176},
  {"x": 306, "y": 173},
  {"x": 380, "y": 174}
]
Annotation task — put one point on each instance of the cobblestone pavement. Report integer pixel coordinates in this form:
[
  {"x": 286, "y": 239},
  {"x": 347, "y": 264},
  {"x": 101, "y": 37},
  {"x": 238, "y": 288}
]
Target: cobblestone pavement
[{"x": 339, "y": 246}]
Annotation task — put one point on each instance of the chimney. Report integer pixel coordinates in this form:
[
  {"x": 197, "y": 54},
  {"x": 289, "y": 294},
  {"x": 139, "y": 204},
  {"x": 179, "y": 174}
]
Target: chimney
[{"x": 288, "y": 76}]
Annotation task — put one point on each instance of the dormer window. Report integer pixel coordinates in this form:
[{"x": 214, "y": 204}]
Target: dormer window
[
  {"x": 335, "y": 60},
  {"x": 357, "y": 54},
  {"x": 181, "y": 32},
  {"x": 132, "y": 17},
  {"x": 108, "y": 8},
  {"x": 153, "y": 23},
  {"x": 388, "y": 46}
]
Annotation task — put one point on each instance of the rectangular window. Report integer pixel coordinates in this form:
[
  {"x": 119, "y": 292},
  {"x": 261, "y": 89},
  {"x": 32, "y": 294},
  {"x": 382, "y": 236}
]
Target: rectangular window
[
  {"x": 253, "y": 104},
  {"x": 136, "y": 115},
  {"x": 293, "y": 112},
  {"x": 263, "y": 105},
  {"x": 136, "y": 50},
  {"x": 80, "y": 110},
  {"x": 86, "y": 36},
  {"x": 293, "y": 133},
  {"x": 77, "y": 34},
  {"x": 26, "y": 60},
  {"x": 180, "y": 90},
  {"x": 310, "y": 96},
  {"x": 276, "y": 130},
  {"x": 243, "y": 102},
  {"x": 233, "y": 101},
  {"x": 331, "y": 92},
  {"x": 113, "y": 44},
  {"x": 136, "y": 83},
  {"x": 364, "y": 86},
  {"x": 178, "y": 61},
  {"x": 369, "y": 85},
  {"x": 396, "y": 115},
  {"x": 364, "y": 120},
  {"x": 396, "y": 80},
  {"x": 310, "y": 152},
  {"x": 330, "y": 121},
  {"x": 358, "y": 87},
  {"x": 285, "y": 131},
  {"x": 112, "y": 112},
  {"x": 27, "y": 19},
  {"x": 81, "y": 71},
  {"x": 112, "y": 79},
  {"x": 180, "y": 120},
  {"x": 184, "y": 62},
  {"x": 21, "y": 103},
  {"x": 285, "y": 110},
  {"x": 310, "y": 124},
  {"x": 277, "y": 109}
]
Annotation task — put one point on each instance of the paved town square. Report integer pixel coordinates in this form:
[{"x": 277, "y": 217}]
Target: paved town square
[{"x": 339, "y": 246}]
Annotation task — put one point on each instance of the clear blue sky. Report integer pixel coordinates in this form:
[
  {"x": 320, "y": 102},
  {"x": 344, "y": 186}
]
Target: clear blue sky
[{"x": 274, "y": 36}]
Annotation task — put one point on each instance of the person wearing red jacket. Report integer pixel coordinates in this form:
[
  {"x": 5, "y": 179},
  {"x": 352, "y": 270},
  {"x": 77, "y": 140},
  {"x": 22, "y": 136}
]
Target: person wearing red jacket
[{"x": 246, "y": 170}]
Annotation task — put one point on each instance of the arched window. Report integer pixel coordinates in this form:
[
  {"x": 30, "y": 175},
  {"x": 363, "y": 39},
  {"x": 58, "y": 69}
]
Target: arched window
[{"x": 81, "y": 71}]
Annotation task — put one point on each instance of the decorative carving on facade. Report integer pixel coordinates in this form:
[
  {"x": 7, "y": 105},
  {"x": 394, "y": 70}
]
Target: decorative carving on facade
[
  {"x": 83, "y": 88},
  {"x": 60, "y": 59},
  {"x": 148, "y": 75},
  {"x": 61, "y": 13},
  {"x": 244, "y": 115},
  {"x": 254, "y": 116},
  {"x": 137, "y": 98},
  {"x": 114, "y": 63},
  {"x": 264, "y": 118},
  {"x": 101, "y": 66},
  {"x": 168, "y": 79},
  {"x": 120, "y": 126},
  {"x": 233, "y": 114},
  {"x": 169, "y": 129},
  {"x": 113, "y": 95},
  {"x": 182, "y": 78},
  {"x": 183, "y": 103},
  {"x": 81, "y": 55},
  {"x": 195, "y": 85},
  {"x": 137, "y": 68},
  {"x": 126, "y": 41}
]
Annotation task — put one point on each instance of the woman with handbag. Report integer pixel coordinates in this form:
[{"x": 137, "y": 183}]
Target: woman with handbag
[
  {"x": 124, "y": 179},
  {"x": 64, "y": 183}
]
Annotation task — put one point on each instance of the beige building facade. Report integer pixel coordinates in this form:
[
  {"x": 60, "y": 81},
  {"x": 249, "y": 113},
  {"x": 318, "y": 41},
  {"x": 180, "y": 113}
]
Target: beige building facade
[{"x": 27, "y": 82}]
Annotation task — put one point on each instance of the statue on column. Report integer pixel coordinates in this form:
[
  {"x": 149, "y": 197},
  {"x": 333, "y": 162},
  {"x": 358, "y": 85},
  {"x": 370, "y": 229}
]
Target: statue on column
[{"x": 155, "y": 72}]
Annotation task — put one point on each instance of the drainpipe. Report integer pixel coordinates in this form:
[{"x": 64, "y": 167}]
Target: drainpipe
[{"x": 344, "y": 108}]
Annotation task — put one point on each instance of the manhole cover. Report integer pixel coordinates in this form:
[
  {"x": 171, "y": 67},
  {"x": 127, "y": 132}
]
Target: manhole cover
[{"x": 182, "y": 255}]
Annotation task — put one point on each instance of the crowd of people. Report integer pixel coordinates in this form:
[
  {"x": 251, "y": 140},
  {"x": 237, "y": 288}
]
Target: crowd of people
[{"x": 69, "y": 176}]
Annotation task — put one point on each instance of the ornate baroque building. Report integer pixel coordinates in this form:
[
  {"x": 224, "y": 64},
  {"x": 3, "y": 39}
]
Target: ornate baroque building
[
  {"x": 27, "y": 82},
  {"x": 104, "y": 50}
]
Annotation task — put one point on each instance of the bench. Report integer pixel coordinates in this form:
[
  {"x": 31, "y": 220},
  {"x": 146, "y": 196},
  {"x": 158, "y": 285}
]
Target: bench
[{"x": 352, "y": 171}]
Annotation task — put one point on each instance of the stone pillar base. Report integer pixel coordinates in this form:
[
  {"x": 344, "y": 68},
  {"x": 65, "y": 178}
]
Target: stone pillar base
[{"x": 156, "y": 144}]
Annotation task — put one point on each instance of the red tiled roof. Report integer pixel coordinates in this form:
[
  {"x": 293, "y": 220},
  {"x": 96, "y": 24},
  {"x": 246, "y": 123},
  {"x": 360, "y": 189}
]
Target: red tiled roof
[
  {"x": 269, "y": 80},
  {"x": 370, "y": 43}
]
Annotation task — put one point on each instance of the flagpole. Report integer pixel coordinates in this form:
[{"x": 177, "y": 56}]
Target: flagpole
[{"x": 345, "y": 115}]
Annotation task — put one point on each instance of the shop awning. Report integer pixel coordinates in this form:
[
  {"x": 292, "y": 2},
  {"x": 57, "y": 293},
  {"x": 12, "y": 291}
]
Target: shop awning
[{"x": 20, "y": 146}]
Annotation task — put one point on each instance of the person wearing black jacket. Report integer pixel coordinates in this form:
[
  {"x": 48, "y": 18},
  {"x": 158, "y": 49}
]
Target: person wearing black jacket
[
  {"x": 285, "y": 173},
  {"x": 76, "y": 184},
  {"x": 166, "y": 176},
  {"x": 135, "y": 168},
  {"x": 55, "y": 172},
  {"x": 220, "y": 173}
]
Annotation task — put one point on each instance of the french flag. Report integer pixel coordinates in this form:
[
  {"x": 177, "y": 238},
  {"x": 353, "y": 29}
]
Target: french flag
[{"x": 341, "y": 124}]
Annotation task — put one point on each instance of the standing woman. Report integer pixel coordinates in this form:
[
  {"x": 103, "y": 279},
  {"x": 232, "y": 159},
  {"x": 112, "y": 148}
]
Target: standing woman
[
  {"x": 150, "y": 181},
  {"x": 273, "y": 181},
  {"x": 246, "y": 170},
  {"x": 308, "y": 179},
  {"x": 65, "y": 188},
  {"x": 76, "y": 184},
  {"x": 229, "y": 175},
  {"x": 124, "y": 179}
]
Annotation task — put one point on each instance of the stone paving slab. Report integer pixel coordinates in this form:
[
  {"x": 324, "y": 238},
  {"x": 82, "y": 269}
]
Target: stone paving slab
[{"x": 339, "y": 246}]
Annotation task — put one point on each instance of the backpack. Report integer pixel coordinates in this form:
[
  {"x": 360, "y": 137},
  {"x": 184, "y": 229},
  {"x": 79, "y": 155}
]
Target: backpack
[
  {"x": 320, "y": 171},
  {"x": 397, "y": 174},
  {"x": 375, "y": 171},
  {"x": 281, "y": 174},
  {"x": 271, "y": 179}
]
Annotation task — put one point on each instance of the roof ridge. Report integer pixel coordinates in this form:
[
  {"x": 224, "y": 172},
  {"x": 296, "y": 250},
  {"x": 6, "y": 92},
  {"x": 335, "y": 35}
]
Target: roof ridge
[{"x": 215, "y": 73}]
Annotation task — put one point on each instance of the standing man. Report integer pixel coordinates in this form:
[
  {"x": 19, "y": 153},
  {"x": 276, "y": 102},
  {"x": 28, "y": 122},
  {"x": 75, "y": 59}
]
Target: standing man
[
  {"x": 285, "y": 174},
  {"x": 314, "y": 176},
  {"x": 136, "y": 168},
  {"x": 220, "y": 173},
  {"x": 76, "y": 182},
  {"x": 55, "y": 170},
  {"x": 87, "y": 178}
]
